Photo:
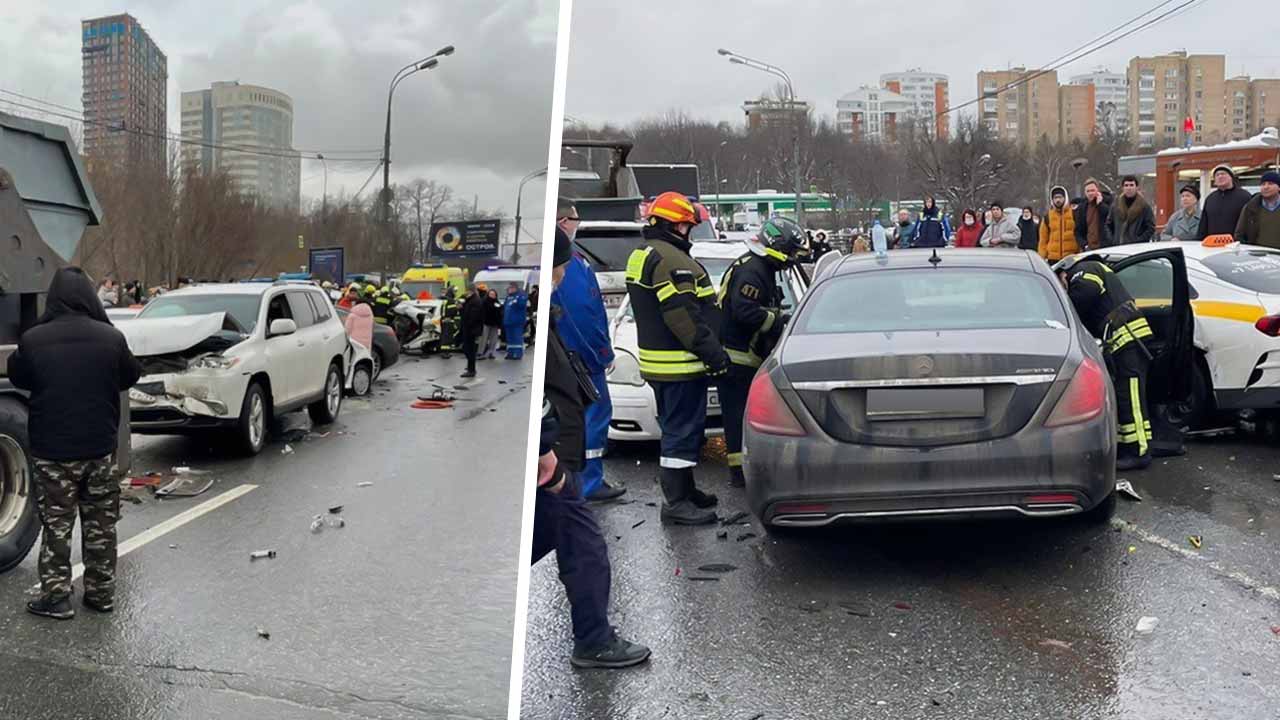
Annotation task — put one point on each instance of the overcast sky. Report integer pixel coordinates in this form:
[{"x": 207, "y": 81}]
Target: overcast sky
[
  {"x": 629, "y": 60},
  {"x": 480, "y": 121}
]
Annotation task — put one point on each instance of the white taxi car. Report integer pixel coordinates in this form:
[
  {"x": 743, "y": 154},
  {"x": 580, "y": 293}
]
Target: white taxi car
[
  {"x": 635, "y": 412},
  {"x": 1235, "y": 297}
]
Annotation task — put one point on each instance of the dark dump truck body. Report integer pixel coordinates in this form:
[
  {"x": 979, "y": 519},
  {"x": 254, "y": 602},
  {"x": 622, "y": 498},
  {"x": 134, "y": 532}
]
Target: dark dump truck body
[{"x": 45, "y": 204}]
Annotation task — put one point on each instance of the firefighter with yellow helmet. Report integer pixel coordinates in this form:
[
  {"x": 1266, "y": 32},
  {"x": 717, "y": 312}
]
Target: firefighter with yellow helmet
[{"x": 673, "y": 300}]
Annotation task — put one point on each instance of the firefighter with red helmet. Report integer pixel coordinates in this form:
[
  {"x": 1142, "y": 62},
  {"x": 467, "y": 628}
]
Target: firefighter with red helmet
[{"x": 674, "y": 302}]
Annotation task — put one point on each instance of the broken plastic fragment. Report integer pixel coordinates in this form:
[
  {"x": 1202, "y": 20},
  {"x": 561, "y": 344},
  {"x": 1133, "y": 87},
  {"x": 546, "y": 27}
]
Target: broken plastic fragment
[
  {"x": 317, "y": 524},
  {"x": 718, "y": 567},
  {"x": 264, "y": 634},
  {"x": 335, "y": 509},
  {"x": 1196, "y": 541},
  {"x": 1125, "y": 488},
  {"x": 746, "y": 536},
  {"x": 288, "y": 449},
  {"x": 1146, "y": 625},
  {"x": 366, "y": 483},
  {"x": 1048, "y": 642},
  {"x": 260, "y": 554},
  {"x": 633, "y": 527},
  {"x": 902, "y": 606},
  {"x": 735, "y": 518}
]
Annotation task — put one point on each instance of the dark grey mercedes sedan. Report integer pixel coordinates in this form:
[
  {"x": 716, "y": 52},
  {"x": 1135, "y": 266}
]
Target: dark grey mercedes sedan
[{"x": 955, "y": 383}]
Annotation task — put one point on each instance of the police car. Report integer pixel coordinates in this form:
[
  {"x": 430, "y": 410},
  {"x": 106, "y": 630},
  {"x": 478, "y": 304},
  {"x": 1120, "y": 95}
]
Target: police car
[
  {"x": 635, "y": 412},
  {"x": 1234, "y": 293}
]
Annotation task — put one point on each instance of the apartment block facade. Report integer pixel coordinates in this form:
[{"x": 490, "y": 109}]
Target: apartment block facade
[
  {"x": 767, "y": 113},
  {"x": 1077, "y": 112},
  {"x": 125, "y": 93},
  {"x": 1024, "y": 113},
  {"x": 929, "y": 95},
  {"x": 1111, "y": 98},
  {"x": 872, "y": 114},
  {"x": 1166, "y": 90}
]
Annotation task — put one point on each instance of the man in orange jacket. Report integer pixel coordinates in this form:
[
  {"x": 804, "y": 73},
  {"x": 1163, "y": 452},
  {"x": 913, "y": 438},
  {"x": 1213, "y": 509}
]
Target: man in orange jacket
[{"x": 1058, "y": 228}]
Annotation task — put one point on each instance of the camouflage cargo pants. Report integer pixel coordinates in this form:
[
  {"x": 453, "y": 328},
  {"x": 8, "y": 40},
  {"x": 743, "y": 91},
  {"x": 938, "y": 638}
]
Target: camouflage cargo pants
[{"x": 90, "y": 487}]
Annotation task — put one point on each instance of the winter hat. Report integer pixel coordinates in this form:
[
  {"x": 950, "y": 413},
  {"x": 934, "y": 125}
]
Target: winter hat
[
  {"x": 563, "y": 252},
  {"x": 1190, "y": 188},
  {"x": 1056, "y": 191},
  {"x": 1226, "y": 168},
  {"x": 1271, "y": 176}
]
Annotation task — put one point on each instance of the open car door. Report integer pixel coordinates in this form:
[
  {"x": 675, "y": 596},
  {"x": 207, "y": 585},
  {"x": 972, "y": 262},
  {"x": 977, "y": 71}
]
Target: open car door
[{"x": 1157, "y": 280}]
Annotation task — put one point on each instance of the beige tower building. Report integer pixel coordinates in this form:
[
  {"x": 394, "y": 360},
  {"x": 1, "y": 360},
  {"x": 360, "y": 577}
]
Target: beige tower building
[
  {"x": 1166, "y": 90},
  {"x": 1077, "y": 112},
  {"x": 1238, "y": 122},
  {"x": 1264, "y": 104},
  {"x": 1022, "y": 114}
]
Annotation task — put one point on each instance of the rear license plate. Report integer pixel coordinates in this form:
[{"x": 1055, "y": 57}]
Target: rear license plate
[
  {"x": 925, "y": 403},
  {"x": 713, "y": 399}
]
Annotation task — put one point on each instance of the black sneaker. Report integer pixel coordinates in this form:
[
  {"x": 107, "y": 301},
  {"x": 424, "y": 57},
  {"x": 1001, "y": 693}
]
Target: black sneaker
[
  {"x": 469, "y": 374},
  {"x": 617, "y": 653},
  {"x": 685, "y": 512},
  {"x": 606, "y": 492},
  {"x": 702, "y": 499},
  {"x": 1133, "y": 463},
  {"x": 58, "y": 608},
  {"x": 102, "y": 606}
]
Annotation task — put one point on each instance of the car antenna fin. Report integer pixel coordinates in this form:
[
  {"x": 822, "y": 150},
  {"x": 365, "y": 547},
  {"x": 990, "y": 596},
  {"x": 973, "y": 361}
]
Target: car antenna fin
[{"x": 934, "y": 259}]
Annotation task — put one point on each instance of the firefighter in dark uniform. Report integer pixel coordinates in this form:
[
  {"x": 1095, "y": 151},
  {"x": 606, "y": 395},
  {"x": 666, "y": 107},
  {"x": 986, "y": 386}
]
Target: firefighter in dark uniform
[
  {"x": 381, "y": 303},
  {"x": 751, "y": 321},
  {"x": 673, "y": 300},
  {"x": 1110, "y": 314},
  {"x": 449, "y": 321}
]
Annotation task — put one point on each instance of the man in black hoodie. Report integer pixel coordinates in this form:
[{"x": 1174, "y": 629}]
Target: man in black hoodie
[
  {"x": 75, "y": 365},
  {"x": 1223, "y": 206},
  {"x": 561, "y": 519},
  {"x": 473, "y": 315}
]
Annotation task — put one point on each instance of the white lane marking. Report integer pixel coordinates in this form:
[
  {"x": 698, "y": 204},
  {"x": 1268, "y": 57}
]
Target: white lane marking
[
  {"x": 1248, "y": 582},
  {"x": 170, "y": 525}
]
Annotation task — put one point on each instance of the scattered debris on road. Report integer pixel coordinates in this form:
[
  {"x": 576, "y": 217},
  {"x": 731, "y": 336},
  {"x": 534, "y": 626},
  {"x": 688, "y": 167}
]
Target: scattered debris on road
[
  {"x": 813, "y": 606},
  {"x": 262, "y": 633},
  {"x": 260, "y": 554},
  {"x": 335, "y": 509},
  {"x": 287, "y": 450},
  {"x": 746, "y": 536},
  {"x": 722, "y": 534},
  {"x": 184, "y": 470},
  {"x": 1146, "y": 625},
  {"x": 633, "y": 527},
  {"x": 1197, "y": 541},
  {"x": 1210, "y": 432},
  {"x": 184, "y": 486},
  {"x": 902, "y": 606},
  {"x": 703, "y": 578},
  {"x": 317, "y": 524},
  {"x": 1125, "y": 488},
  {"x": 735, "y": 518},
  {"x": 855, "y": 609},
  {"x": 151, "y": 479},
  {"x": 173, "y": 546},
  {"x": 365, "y": 483},
  {"x": 1060, "y": 644},
  {"x": 718, "y": 567}
]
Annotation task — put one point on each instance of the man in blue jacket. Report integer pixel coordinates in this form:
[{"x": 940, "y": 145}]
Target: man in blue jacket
[
  {"x": 513, "y": 320},
  {"x": 584, "y": 328}
]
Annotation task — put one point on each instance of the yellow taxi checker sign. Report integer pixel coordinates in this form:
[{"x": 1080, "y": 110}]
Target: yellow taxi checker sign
[{"x": 448, "y": 238}]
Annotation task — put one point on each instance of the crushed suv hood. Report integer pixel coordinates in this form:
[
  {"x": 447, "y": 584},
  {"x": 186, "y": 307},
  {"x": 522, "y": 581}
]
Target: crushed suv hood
[{"x": 166, "y": 336}]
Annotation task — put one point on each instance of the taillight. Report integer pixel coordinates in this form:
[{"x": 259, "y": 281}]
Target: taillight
[
  {"x": 767, "y": 412},
  {"x": 1268, "y": 325},
  {"x": 1084, "y": 399}
]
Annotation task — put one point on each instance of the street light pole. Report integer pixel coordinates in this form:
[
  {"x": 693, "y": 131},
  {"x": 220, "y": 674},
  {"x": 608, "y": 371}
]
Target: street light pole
[
  {"x": 324, "y": 194},
  {"x": 426, "y": 63},
  {"x": 715, "y": 162},
  {"x": 795, "y": 140},
  {"x": 515, "y": 245}
]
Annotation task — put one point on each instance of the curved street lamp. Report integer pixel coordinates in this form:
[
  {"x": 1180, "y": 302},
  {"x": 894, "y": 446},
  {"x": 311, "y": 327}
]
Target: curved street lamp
[
  {"x": 515, "y": 244},
  {"x": 737, "y": 59}
]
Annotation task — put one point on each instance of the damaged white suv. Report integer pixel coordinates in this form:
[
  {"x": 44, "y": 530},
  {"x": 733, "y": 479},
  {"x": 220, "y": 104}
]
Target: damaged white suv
[{"x": 233, "y": 357}]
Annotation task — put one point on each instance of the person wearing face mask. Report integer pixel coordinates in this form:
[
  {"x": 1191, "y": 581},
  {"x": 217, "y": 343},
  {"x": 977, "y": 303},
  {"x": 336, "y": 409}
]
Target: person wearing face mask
[
  {"x": 969, "y": 231},
  {"x": 673, "y": 300},
  {"x": 1029, "y": 226},
  {"x": 904, "y": 233},
  {"x": 1058, "y": 229}
]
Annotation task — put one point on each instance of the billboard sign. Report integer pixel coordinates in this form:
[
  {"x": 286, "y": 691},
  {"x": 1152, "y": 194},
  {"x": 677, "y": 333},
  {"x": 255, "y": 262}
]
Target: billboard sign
[
  {"x": 471, "y": 237},
  {"x": 326, "y": 264}
]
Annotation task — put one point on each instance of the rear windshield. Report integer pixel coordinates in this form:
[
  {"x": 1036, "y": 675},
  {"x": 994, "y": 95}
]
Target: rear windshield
[
  {"x": 607, "y": 249},
  {"x": 942, "y": 299},
  {"x": 1256, "y": 270}
]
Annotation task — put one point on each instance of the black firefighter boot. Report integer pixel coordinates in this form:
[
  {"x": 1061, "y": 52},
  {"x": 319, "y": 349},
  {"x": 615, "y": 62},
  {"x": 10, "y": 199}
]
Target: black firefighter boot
[
  {"x": 677, "y": 507},
  {"x": 736, "y": 478},
  {"x": 701, "y": 499}
]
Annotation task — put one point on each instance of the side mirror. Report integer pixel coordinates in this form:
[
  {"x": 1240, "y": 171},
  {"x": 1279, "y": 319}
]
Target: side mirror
[{"x": 282, "y": 326}]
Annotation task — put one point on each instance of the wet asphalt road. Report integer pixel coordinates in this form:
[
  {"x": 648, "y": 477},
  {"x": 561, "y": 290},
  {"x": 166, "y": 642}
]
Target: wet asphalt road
[
  {"x": 994, "y": 621},
  {"x": 406, "y": 612}
]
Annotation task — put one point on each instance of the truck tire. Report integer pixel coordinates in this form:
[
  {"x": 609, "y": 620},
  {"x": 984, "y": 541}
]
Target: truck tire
[
  {"x": 19, "y": 516},
  {"x": 325, "y": 410}
]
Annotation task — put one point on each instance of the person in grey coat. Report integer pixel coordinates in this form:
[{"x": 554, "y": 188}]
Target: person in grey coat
[
  {"x": 1185, "y": 222},
  {"x": 1003, "y": 232}
]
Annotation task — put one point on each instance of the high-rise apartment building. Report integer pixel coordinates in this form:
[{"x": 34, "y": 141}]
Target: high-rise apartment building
[
  {"x": 1166, "y": 90},
  {"x": 1264, "y": 104},
  {"x": 126, "y": 80},
  {"x": 1238, "y": 123},
  {"x": 1111, "y": 97},
  {"x": 1077, "y": 112},
  {"x": 252, "y": 129},
  {"x": 872, "y": 114},
  {"x": 1022, "y": 114},
  {"x": 928, "y": 93}
]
